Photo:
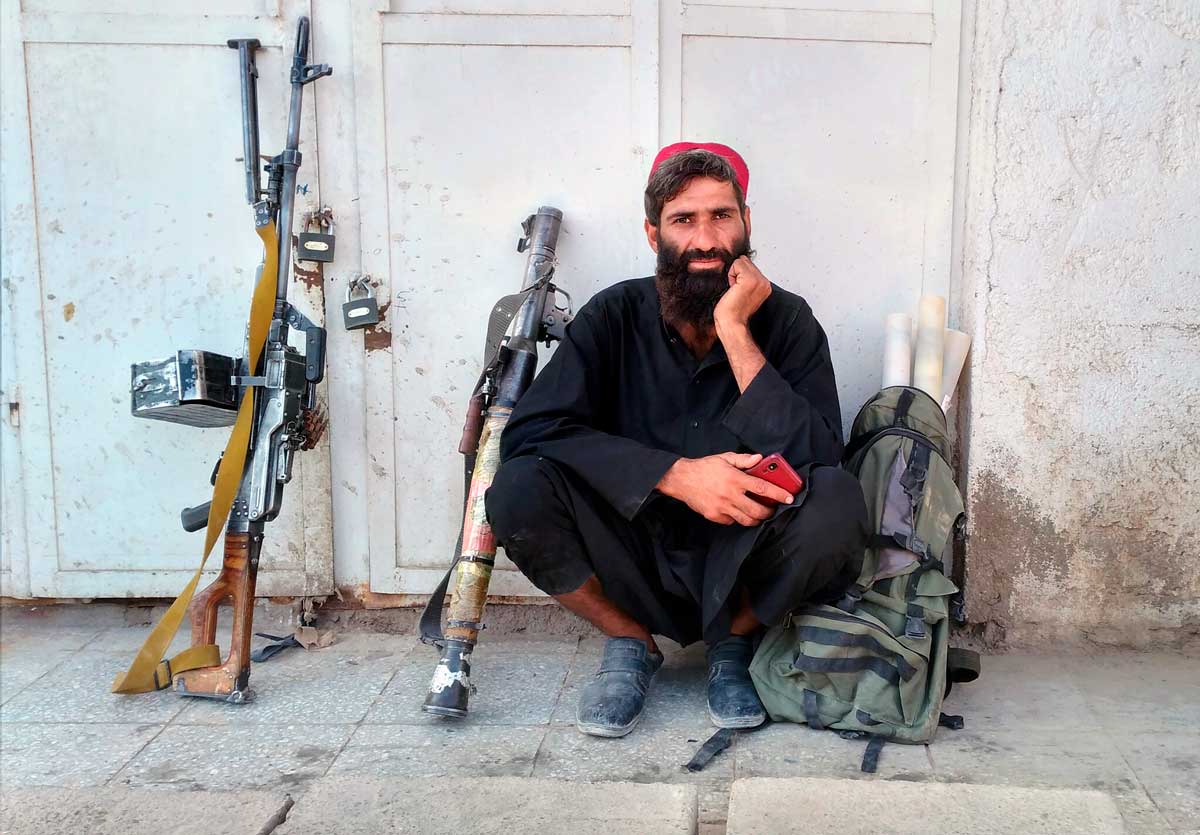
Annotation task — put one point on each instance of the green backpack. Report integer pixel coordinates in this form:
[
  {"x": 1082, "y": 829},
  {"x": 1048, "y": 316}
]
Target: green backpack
[{"x": 878, "y": 664}]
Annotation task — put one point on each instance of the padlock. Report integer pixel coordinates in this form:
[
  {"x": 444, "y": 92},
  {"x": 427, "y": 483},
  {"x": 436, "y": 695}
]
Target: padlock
[
  {"x": 316, "y": 246},
  {"x": 360, "y": 313}
]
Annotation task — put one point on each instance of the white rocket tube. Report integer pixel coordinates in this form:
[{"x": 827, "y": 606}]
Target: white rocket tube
[
  {"x": 897, "y": 350},
  {"x": 954, "y": 355},
  {"x": 931, "y": 330}
]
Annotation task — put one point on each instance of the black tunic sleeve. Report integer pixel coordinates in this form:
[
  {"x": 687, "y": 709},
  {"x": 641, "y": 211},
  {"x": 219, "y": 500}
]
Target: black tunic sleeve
[
  {"x": 564, "y": 414},
  {"x": 791, "y": 406}
]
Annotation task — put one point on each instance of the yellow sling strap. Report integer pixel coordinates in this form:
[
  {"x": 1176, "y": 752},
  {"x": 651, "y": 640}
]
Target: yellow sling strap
[{"x": 148, "y": 672}]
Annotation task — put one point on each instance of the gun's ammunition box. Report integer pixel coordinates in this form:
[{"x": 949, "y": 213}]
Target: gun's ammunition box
[{"x": 192, "y": 388}]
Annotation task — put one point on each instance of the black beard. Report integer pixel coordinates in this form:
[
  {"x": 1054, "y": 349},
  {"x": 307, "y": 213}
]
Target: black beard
[{"x": 690, "y": 296}]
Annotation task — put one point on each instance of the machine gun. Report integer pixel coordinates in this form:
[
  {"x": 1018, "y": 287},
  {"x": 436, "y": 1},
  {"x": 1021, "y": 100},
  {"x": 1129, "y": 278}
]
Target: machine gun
[
  {"x": 508, "y": 369},
  {"x": 268, "y": 395}
]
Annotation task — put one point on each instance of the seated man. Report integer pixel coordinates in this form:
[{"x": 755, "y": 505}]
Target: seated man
[{"x": 622, "y": 490}]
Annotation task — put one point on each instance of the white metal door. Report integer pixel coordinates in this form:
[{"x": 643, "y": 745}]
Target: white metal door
[
  {"x": 469, "y": 115},
  {"x": 126, "y": 236}
]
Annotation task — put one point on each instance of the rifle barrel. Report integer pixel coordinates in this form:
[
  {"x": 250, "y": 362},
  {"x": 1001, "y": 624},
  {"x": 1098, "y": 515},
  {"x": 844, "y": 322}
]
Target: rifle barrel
[{"x": 246, "y": 48}]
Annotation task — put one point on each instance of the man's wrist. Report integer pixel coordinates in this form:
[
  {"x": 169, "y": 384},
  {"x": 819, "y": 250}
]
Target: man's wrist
[
  {"x": 668, "y": 483},
  {"x": 731, "y": 329}
]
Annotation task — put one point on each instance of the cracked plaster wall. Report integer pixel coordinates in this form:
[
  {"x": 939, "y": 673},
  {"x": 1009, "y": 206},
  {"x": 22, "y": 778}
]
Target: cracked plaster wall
[{"x": 1081, "y": 285}]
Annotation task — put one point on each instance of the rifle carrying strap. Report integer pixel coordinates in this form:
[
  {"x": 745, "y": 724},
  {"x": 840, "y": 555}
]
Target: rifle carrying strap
[{"x": 149, "y": 671}]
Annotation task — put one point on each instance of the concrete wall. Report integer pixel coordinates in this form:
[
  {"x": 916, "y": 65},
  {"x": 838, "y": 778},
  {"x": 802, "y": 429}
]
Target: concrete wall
[{"x": 1081, "y": 284}]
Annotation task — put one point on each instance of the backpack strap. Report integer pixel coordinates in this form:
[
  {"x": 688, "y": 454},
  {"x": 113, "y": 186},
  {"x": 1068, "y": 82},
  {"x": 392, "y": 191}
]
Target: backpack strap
[
  {"x": 811, "y": 714},
  {"x": 430, "y": 625},
  {"x": 902, "y": 406},
  {"x": 870, "y": 760}
]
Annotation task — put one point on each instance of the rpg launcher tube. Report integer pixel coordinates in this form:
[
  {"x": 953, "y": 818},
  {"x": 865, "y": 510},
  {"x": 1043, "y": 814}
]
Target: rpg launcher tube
[{"x": 451, "y": 685}]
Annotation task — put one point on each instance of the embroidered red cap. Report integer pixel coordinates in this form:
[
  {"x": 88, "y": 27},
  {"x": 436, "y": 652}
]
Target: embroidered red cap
[{"x": 734, "y": 158}]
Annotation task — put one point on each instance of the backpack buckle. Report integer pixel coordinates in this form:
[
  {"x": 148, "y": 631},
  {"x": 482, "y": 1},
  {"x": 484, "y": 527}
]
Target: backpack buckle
[
  {"x": 850, "y": 599},
  {"x": 914, "y": 627}
]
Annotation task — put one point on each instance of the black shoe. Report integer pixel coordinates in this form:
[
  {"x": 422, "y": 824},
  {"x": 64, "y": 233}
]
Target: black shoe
[
  {"x": 612, "y": 702},
  {"x": 732, "y": 700}
]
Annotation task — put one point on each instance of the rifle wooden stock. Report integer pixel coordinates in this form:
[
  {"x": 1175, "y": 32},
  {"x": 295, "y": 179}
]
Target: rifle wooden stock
[{"x": 235, "y": 583}]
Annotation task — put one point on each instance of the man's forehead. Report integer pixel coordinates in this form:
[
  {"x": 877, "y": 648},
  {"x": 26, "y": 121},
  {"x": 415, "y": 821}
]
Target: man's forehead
[{"x": 702, "y": 194}]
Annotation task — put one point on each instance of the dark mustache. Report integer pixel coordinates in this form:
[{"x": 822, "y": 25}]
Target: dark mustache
[{"x": 704, "y": 254}]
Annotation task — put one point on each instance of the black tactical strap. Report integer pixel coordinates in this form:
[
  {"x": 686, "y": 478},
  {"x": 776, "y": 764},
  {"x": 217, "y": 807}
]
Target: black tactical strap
[
  {"x": 870, "y": 760},
  {"x": 810, "y": 664},
  {"x": 431, "y": 619},
  {"x": 811, "y": 714},
  {"x": 902, "y": 406},
  {"x": 717, "y": 743},
  {"x": 836, "y": 638},
  {"x": 267, "y": 651}
]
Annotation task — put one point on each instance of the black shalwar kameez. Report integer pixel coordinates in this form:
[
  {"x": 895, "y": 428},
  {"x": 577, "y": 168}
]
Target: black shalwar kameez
[{"x": 621, "y": 400}]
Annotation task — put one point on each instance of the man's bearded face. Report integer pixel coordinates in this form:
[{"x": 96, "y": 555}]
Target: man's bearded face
[{"x": 690, "y": 295}]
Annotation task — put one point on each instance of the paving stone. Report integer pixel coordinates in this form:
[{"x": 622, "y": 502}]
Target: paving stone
[
  {"x": 785, "y": 749},
  {"x": 220, "y": 759},
  {"x": 334, "y": 685},
  {"x": 79, "y": 690},
  {"x": 37, "y": 638},
  {"x": 1049, "y": 759},
  {"x": 820, "y": 806},
  {"x": 1026, "y": 692},
  {"x": 1168, "y": 766},
  {"x": 646, "y": 755},
  {"x": 68, "y": 754},
  {"x": 517, "y": 683},
  {"x": 440, "y": 751},
  {"x": 491, "y": 806},
  {"x": 109, "y": 810},
  {"x": 1165, "y": 686},
  {"x": 1139, "y": 812},
  {"x": 20, "y": 668}
]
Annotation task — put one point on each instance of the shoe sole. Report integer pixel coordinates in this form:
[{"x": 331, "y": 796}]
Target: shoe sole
[
  {"x": 742, "y": 722},
  {"x": 606, "y": 731}
]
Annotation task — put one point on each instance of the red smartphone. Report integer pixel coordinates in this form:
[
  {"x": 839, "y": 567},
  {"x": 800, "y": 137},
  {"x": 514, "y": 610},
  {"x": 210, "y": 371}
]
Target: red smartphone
[{"x": 780, "y": 473}]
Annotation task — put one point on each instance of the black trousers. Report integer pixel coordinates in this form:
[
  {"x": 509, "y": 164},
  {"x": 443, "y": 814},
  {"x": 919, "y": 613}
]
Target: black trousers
[{"x": 672, "y": 570}]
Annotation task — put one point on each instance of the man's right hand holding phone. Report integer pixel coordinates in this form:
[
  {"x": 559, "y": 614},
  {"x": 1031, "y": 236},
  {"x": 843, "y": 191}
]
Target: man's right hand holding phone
[{"x": 718, "y": 488}]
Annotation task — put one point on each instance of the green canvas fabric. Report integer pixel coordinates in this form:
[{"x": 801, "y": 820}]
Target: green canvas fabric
[{"x": 876, "y": 663}]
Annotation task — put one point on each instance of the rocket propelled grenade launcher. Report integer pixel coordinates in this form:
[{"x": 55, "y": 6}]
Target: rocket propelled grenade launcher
[
  {"x": 509, "y": 366},
  {"x": 269, "y": 395}
]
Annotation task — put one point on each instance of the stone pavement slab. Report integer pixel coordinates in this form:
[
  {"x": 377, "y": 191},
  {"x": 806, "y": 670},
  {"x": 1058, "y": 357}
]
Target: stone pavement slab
[
  {"x": 124, "y": 811},
  {"x": 784, "y": 749},
  {"x": 1165, "y": 687},
  {"x": 78, "y": 690},
  {"x": 201, "y": 757},
  {"x": 68, "y": 754},
  {"x": 646, "y": 755},
  {"x": 440, "y": 750},
  {"x": 1122, "y": 724},
  {"x": 1167, "y": 765},
  {"x": 490, "y": 806},
  {"x": 820, "y": 806},
  {"x": 334, "y": 685},
  {"x": 22, "y": 669},
  {"x": 1031, "y": 693},
  {"x": 517, "y": 682}
]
